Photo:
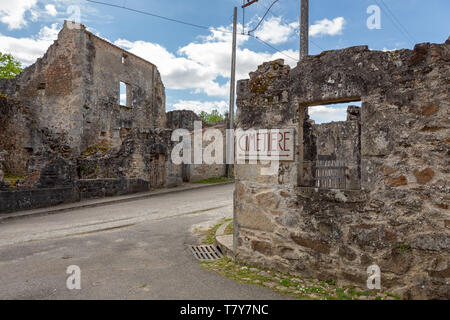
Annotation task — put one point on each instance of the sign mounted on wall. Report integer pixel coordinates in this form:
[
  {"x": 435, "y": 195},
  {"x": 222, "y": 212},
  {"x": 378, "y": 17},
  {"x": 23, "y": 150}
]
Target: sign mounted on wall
[{"x": 265, "y": 145}]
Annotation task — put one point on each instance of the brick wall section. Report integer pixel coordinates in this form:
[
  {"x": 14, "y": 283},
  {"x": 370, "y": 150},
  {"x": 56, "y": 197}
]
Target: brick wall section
[{"x": 399, "y": 218}]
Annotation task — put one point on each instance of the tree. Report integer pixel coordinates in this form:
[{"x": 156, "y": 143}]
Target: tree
[
  {"x": 213, "y": 117},
  {"x": 9, "y": 66}
]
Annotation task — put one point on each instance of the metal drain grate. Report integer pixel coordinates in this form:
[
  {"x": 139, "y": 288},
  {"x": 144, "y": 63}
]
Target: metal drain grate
[{"x": 206, "y": 252}]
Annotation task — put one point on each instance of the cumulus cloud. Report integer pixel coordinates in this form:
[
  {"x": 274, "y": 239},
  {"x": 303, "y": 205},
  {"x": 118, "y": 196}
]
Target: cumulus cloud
[
  {"x": 199, "y": 65},
  {"x": 17, "y": 13},
  {"x": 199, "y": 106},
  {"x": 330, "y": 113},
  {"x": 13, "y": 12},
  {"x": 327, "y": 27},
  {"x": 276, "y": 31},
  {"x": 27, "y": 50},
  {"x": 51, "y": 10}
]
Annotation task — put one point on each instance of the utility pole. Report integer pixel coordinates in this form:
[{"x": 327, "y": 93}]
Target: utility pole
[
  {"x": 304, "y": 28},
  {"x": 232, "y": 88}
]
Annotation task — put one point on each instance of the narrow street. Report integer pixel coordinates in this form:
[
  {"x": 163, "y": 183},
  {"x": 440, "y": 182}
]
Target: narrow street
[{"x": 132, "y": 250}]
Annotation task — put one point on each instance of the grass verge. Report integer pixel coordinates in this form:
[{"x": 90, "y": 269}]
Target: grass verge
[
  {"x": 300, "y": 288},
  {"x": 213, "y": 180}
]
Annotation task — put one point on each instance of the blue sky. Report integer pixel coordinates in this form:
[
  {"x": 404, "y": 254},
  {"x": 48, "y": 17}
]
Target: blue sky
[{"x": 195, "y": 63}]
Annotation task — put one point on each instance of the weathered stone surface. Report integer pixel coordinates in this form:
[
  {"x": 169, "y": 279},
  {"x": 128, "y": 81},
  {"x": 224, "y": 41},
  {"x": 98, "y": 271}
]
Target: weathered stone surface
[
  {"x": 397, "y": 261},
  {"x": 434, "y": 242},
  {"x": 253, "y": 218},
  {"x": 317, "y": 245},
  {"x": 398, "y": 219},
  {"x": 267, "y": 199},
  {"x": 372, "y": 235},
  {"x": 347, "y": 253},
  {"x": 424, "y": 176},
  {"x": 262, "y": 247},
  {"x": 396, "y": 182},
  {"x": 182, "y": 119}
]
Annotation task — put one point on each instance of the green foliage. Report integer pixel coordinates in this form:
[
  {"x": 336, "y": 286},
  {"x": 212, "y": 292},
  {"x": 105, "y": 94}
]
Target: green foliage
[
  {"x": 213, "y": 117},
  {"x": 9, "y": 67}
]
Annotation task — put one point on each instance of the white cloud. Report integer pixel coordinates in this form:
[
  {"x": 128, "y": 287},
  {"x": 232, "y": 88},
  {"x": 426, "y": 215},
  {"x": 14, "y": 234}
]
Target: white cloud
[
  {"x": 388, "y": 50},
  {"x": 327, "y": 27},
  {"x": 324, "y": 114},
  {"x": 199, "y": 106},
  {"x": 123, "y": 99},
  {"x": 27, "y": 50},
  {"x": 275, "y": 31},
  {"x": 12, "y": 12},
  {"x": 51, "y": 10},
  {"x": 199, "y": 65},
  {"x": 16, "y": 13}
]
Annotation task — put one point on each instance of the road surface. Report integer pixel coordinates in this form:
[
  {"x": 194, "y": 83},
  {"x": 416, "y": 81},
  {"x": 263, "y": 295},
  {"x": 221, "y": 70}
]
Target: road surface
[{"x": 131, "y": 250}]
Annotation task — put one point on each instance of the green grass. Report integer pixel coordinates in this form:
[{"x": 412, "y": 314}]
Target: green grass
[
  {"x": 210, "y": 237},
  {"x": 291, "y": 285},
  {"x": 213, "y": 180},
  {"x": 229, "y": 229}
]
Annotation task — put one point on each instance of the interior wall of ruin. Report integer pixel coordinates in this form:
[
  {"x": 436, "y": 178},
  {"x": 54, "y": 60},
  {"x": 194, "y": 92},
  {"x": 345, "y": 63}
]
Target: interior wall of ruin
[{"x": 337, "y": 144}]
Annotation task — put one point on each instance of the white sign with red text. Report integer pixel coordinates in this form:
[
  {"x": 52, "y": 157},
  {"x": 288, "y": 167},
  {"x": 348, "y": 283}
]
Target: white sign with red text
[{"x": 265, "y": 145}]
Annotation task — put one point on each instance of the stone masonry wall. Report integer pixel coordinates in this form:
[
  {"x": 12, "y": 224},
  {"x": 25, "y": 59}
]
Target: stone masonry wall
[
  {"x": 63, "y": 129},
  {"x": 399, "y": 218},
  {"x": 181, "y": 119}
]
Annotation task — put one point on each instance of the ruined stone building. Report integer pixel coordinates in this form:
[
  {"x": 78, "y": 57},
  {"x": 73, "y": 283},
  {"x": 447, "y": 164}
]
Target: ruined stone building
[
  {"x": 66, "y": 134},
  {"x": 372, "y": 190}
]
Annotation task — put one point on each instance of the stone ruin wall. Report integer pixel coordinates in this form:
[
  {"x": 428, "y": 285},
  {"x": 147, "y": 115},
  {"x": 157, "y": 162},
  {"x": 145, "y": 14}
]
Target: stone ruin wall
[
  {"x": 197, "y": 172},
  {"x": 64, "y": 134},
  {"x": 184, "y": 119},
  {"x": 399, "y": 217}
]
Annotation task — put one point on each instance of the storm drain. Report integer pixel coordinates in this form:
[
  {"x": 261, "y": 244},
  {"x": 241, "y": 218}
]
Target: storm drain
[{"x": 206, "y": 252}]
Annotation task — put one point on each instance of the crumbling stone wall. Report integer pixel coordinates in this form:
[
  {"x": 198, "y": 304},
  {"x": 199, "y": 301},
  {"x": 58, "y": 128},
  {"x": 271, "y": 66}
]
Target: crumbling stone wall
[
  {"x": 192, "y": 172},
  {"x": 181, "y": 119},
  {"x": 197, "y": 172},
  {"x": 62, "y": 125},
  {"x": 399, "y": 218},
  {"x": 72, "y": 94}
]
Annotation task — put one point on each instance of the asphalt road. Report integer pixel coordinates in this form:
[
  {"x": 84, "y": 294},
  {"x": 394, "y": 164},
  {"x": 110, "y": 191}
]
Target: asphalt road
[{"x": 132, "y": 250}]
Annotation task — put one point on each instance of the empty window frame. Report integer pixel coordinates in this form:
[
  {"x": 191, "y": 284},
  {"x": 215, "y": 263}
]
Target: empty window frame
[
  {"x": 332, "y": 146},
  {"x": 125, "y": 95},
  {"x": 124, "y": 58}
]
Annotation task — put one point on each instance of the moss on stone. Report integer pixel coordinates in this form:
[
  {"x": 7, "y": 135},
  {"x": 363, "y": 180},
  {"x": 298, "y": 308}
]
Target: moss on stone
[
  {"x": 12, "y": 179},
  {"x": 93, "y": 150}
]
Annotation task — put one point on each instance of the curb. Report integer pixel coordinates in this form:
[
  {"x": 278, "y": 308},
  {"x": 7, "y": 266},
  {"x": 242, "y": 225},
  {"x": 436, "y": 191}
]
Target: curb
[
  {"x": 100, "y": 203},
  {"x": 225, "y": 242}
]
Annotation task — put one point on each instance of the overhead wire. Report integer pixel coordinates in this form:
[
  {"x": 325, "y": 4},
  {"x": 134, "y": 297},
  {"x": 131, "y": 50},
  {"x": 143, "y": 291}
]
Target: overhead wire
[
  {"x": 396, "y": 21},
  {"x": 188, "y": 24}
]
